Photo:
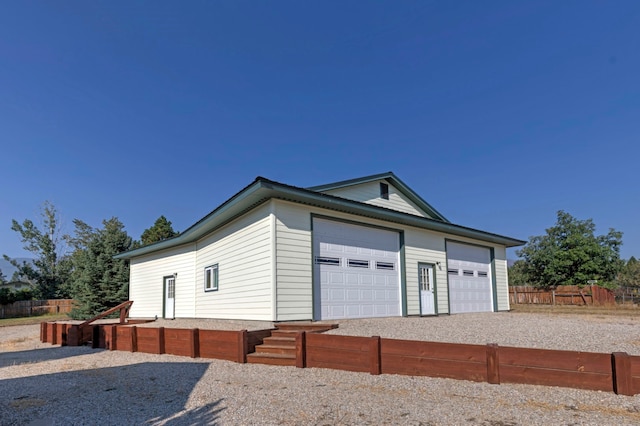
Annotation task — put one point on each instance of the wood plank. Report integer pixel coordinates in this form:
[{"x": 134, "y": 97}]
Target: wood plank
[
  {"x": 559, "y": 360},
  {"x": 353, "y": 343},
  {"x": 434, "y": 350},
  {"x": 552, "y": 377},
  {"x": 338, "y": 359},
  {"x": 634, "y": 360},
  {"x": 621, "y": 365},
  {"x": 123, "y": 337},
  {"x": 375, "y": 360},
  {"x": 493, "y": 367},
  {"x": 195, "y": 343},
  {"x": 635, "y": 385},
  {"x": 301, "y": 352},
  {"x": 363, "y": 368},
  {"x": 218, "y": 336},
  {"x": 148, "y": 340},
  {"x": 420, "y": 366}
]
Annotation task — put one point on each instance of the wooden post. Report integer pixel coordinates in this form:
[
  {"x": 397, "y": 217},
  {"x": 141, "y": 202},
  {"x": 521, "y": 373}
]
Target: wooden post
[
  {"x": 243, "y": 346},
  {"x": 301, "y": 349},
  {"x": 73, "y": 336},
  {"x": 43, "y": 332},
  {"x": 553, "y": 297},
  {"x": 160, "y": 340},
  {"x": 493, "y": 364},
  {"x": 95, "y": 339},
  {"x": 134, "y": 339},
  {"x": 123, "y": 315},
  {"x": 195, "y": 343},
  {"x": 515, "y": 295},
  {"x": 113, "y": 332},
  {"x": 375, "y": 364},
  {"x": 621, "y": 366},
  {"x": 54, "y": 333}
]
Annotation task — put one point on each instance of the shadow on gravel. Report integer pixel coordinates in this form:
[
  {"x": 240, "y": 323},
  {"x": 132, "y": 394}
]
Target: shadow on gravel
[
  {"x": 40, "y": 355},
  {"x": 146, "y": 393}
]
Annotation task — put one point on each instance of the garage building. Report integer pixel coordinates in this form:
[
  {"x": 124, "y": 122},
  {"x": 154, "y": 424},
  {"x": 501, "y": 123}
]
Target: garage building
[{"x": 366, "y": 247}]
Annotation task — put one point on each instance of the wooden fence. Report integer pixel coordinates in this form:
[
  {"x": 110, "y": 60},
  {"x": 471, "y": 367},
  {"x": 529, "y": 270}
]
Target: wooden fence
[
  {"x": 28, "y": 308},
  {"x": 616, "y": 372},
  {"x": 562, "y": 295}
]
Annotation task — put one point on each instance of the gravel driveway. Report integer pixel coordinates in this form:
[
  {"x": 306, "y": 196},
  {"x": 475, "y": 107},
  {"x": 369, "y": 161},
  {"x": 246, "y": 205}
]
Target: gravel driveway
[{"x": 42, "y": 384}]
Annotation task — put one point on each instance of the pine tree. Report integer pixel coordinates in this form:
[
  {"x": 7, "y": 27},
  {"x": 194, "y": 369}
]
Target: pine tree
[
  {"x": 161, "y": 230},
  {"x": 98, "y": 281}
]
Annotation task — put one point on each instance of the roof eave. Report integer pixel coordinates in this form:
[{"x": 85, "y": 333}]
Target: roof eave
[
  {"x": 393, "y": 180},
  {"x": 263, "y": 189}
]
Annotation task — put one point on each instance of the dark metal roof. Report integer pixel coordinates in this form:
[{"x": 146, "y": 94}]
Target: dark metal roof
[{"x": 262, "y": 190}]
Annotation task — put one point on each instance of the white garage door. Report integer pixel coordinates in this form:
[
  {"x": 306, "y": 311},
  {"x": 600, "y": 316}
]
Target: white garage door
[
  {"x": 469, "y": 274},
  {"x": 356, "y": 271}
]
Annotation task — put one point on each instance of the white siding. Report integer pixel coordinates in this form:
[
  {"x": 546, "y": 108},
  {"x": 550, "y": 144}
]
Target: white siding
[
  {"x": 370, "y": 193},
  {"x": 242, "y": 250},
  {"x": 146, "y": 282},
  {"x": 502, "y": 280},
  {"x": 425, "y": 247},
  {"x": 293, "y": 262}
]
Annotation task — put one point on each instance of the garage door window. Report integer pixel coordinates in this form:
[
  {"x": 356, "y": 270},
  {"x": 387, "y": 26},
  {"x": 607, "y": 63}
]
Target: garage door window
[
  {"x": 324, "y": 260},
  {"x": 355, "y": 263},
  {"x": 388, "y": 266}
]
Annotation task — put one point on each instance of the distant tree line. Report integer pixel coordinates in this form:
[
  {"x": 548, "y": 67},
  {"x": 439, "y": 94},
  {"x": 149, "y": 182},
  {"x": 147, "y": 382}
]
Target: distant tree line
[
  {"x": 570, "y": 253},
  {"x": 80, "y": 266}
]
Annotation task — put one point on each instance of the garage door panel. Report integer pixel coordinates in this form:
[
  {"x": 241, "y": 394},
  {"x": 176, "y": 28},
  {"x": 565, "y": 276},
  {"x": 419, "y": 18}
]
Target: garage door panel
[
  {"x": 368, "y": 290},
  {"x": 470, "y": 286}
]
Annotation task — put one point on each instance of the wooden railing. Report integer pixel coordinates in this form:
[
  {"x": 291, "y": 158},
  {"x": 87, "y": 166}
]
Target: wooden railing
[{"x": 79, "y": 334}]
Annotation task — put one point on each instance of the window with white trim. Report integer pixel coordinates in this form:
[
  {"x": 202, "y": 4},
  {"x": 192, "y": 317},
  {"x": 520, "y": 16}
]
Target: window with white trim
[
  {"x": 211, "y": 278},
  {"x": 384, "y": 191}
]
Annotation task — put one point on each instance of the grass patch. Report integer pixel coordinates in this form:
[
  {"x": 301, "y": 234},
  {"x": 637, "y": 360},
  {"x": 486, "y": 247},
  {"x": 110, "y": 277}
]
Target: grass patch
[
  {"x": 616, "y": 310},
  {"x": 32, "y": 320}
]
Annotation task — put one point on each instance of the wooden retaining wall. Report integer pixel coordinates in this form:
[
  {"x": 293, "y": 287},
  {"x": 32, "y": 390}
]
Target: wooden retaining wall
[
  {"x": 616, "y": 372},
  {"x": 194, "y": 343}
]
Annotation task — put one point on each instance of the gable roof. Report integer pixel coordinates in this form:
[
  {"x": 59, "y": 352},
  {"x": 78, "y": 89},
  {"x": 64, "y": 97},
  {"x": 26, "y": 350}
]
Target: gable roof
[
  {"x": 262, "y": 190},
  {"x": 393, "y": 180}
]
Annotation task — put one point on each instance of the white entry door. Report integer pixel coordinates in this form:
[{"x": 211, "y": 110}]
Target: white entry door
[
  {"x": 169, "y": 297},
  {"x": 427, "y": 287}
]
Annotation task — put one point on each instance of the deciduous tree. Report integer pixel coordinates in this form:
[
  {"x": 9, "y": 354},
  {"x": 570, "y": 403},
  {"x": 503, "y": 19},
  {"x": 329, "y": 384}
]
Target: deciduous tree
[
  {"x": 48, "y": 271},
  {"x": 629, "y": 275},
  {"x": 571, "y": 254}
]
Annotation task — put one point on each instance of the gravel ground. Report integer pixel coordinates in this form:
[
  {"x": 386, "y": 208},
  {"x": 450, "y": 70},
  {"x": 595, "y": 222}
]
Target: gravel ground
[{"x": 42, "y": 384}]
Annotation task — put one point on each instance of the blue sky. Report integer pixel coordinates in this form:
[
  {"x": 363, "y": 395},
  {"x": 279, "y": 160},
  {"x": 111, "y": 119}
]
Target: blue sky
[{"x": 498, "y": 113}]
